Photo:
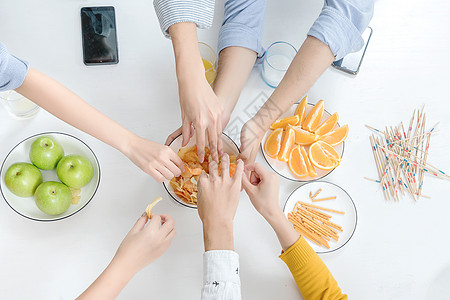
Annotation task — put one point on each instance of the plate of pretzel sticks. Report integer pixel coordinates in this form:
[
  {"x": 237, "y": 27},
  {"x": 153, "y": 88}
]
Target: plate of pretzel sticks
[{"x": 323, "y": 213}]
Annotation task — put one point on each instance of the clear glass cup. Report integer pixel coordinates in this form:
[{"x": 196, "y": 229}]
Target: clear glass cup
[
  {"x": 209, "y": 58},
  {"x": 17, "y": 105},
  {"x": 276, "y": 61}
]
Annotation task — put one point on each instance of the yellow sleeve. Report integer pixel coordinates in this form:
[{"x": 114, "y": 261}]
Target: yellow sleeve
[{"x": 312, "y": 276}]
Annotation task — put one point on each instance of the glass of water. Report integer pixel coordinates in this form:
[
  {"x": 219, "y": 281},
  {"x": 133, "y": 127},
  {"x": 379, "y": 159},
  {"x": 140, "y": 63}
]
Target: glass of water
[
  {"x": 17, "y": 105},
  {"x": 209, "y": 58},
  {"x": 276, "y": 61}
]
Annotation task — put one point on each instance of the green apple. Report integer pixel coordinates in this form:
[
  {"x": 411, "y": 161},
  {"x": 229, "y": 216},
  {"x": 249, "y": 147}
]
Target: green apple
[
  {"x": 22, "y": 179},
  {"x": 75, "y": 171},
  {"x": 53, "y": 197},
  {"x": 45, "y": 153}
]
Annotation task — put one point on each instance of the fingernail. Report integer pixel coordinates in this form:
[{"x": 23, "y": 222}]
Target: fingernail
[{"x": 144, "y": 214}]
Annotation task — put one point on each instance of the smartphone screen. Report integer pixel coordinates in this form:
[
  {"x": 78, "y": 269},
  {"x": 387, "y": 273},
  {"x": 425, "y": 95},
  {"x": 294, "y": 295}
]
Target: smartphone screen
[
  {"x": 351, "y": 63},
  {"x": 99, "y": 35}
]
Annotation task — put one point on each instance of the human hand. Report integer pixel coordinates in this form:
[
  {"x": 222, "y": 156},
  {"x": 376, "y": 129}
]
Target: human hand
[
  {"x": 218, "y": 198},
  {"x": 201, "y": 109},
  {"x": 145, "y": 243},
  {"x": 251, "y": 136},
  {"x": 159, "y": 161},
  {"x": 263, "y": 189}
]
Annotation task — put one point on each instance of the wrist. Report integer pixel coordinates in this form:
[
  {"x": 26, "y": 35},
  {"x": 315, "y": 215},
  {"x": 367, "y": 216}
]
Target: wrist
[
  {"x": 128, "y": 143},
  {"x": 120, "y": 270},
  {"x": 218, "y": 235},
  {"x": 274, "y": 216}
]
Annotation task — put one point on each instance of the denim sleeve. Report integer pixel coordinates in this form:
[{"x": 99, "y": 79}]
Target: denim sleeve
[
  {"x": 243, "y": 25},
  {"x": 12, "y": 70},
  {"x": 341, "y": 23},
  {"x": 169, "y": 12}
]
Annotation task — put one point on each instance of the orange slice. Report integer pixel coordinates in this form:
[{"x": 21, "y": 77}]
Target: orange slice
[
  {"x": 301, "y": 110},
  {"x": 297, "y": 163},
  {"x": 286, "y": 145},
  {"x": 314, "y": 117},
  {"x": 303, "y": 137},
  {"x": 311, "y": 170},
  {"x": 324, "y": 156},
  {"x": 273, "y": 143},
  {"x": 327, "y": 125},
  {"x": 336, "y": 136},
  {"x": 283, "y": 123}
]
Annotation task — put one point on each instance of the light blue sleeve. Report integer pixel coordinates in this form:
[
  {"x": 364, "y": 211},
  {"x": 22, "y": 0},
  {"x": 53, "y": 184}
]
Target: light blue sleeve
[
  {"x": 169, "y": 12},
  {"x": 243, "y": 25},
  {"x": 12, "y": 70},
  {"x": 341, "y": 23}
]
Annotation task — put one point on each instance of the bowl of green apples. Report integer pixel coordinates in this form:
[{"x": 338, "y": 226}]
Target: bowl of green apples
[{"x": 49, "y": 176}]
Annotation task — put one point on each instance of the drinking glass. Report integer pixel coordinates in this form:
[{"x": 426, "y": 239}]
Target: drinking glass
[
  {"x": 276, "y": 61},
  {"x": 209, "y": 62},
  {"x": 17, "y": 105}
]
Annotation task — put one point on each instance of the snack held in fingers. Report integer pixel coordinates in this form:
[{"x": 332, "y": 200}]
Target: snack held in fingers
[{"x": 149, "y": 208}]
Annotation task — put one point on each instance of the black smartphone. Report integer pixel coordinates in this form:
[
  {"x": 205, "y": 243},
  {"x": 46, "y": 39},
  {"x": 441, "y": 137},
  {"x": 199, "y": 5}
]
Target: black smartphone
[
  {"x": 351, "y": 63},
  {"x": 99, "y": 35}
]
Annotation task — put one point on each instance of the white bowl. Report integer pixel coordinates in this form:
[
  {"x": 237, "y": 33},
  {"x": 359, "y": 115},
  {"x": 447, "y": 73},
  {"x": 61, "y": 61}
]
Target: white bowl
[
  {"x": 281, "y": 167},
  {"x": 229, "y": 146},
  {"x": 26, "y": 207},
  {"x": 343, "y": 202}
]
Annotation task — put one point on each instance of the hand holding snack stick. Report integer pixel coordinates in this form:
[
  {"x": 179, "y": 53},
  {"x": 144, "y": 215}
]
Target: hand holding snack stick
[
  {"x": 140, "y": 247},
  {"x": 218, "y": 198},
  {"x": 312, "y": 276}
]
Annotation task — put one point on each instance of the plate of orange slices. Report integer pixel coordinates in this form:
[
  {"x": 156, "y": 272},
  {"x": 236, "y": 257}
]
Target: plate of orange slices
[{"x": 306, "y": 143}]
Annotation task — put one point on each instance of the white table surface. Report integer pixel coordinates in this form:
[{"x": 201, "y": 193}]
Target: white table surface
[{"x": 399, "y": 250}]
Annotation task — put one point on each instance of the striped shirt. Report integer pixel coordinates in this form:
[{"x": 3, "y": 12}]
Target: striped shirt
[{"x": 339, "y": 25}]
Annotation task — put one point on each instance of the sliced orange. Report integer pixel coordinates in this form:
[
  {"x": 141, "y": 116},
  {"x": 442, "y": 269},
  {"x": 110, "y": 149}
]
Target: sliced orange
[
  {"x": 286, "y": 145},
  {"x": 301, "y": 110},
  {"x": 311, "y": 170},
  {"x": 283, "y": 123},
  {"x": 273, "y": 143},
  {"x": 297, "y": 163},
  {"x": 327, "y": 125},
  {"x": 324, "y": 156},
  {"x": 303, "y": 137},
  {"x": 336, "y": 136},
  {"x": 314, "y": 117}
]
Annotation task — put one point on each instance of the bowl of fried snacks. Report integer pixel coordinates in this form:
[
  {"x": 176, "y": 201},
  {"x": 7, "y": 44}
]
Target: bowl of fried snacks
[{"x": 183, "y": 189}]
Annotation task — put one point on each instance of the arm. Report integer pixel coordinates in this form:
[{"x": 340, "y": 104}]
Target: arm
[
  {"x": 218, "y": 198},
  {"x": 140, "y": 247},
  {"x": 335, "y": 33},
  {"x": 157, "y": 160},
  {"x": 313, "y": 278},
  {"x": 239, "y": 46}
]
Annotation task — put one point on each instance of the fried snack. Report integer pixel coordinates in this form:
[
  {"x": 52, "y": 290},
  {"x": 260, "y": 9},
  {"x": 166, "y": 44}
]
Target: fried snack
[
  {"x": 75, "y": 195},
  {"x": 185, "y": 185},
  {"x": 149, "y": 208}
]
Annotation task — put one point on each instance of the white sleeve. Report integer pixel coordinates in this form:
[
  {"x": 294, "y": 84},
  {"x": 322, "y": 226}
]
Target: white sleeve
[{"x": 221, "y": 275}]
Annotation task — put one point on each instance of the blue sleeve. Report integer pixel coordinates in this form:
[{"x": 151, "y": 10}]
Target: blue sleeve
[
  {"x": 169, "y": 12},
  {"x": 243, "y": 25},
  {"x": 12, "y": 70},
  {"x": 341, "y": 23}
]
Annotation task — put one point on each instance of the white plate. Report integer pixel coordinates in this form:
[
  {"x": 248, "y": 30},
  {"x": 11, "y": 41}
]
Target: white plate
[
  {"x": 20, "y": 153},
  {"x": 343, "y": 202},
  {"x": 229, "y": 146},
  {"x": 281, "y": 167}
]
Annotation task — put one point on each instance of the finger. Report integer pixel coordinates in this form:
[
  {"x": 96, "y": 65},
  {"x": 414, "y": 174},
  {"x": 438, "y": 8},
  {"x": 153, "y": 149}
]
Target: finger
[
  {"x": 171, "y": 235},
  {"x": 156, "y": 175},
  {"x": 185, "y": 131},
  {"x": 192, "y": 131},
  {"x": 154, "y": 223},
  {"x": 200, "y": 141},
  {"x": 213, "y": 170},
  {"x": 140, "y": 224},
  {"x": 176, "y": 171},
  {"x": 239, "y": 171},
  {"x": 260, "y": 171},
  {"x": 177, "y": 161},
  {"x": 225, "y": 166},
  {"x": 173, "y": 136},
  {"x": 168, "y": 225},
  {"x": 212, "y": 139},
  {"x": 248, "y": 186},
  {"x": 220, "y": 144},
  {"x": 165, "y": 172}
]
